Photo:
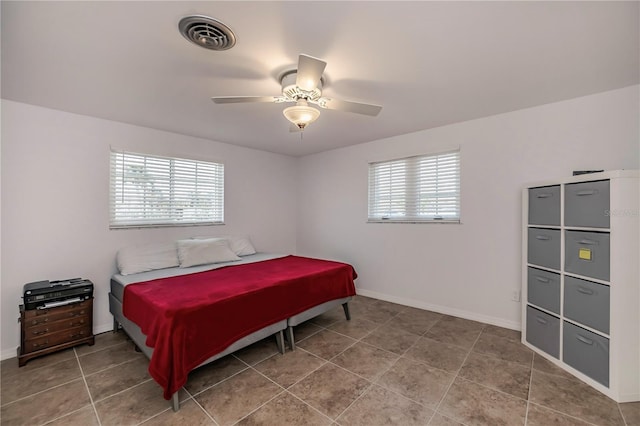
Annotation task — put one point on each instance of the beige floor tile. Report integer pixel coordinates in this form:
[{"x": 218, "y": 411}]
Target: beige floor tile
[
  {"x": 45, "y": 406},
  {"x": 236, "y": 397},
  {"x": 326, "y": 344},
  {"x": 391, "y": 339},
  {"x": 441, "y": 420},
  {"x": 330, "y": 389},
  {"x": 29, "y": 381},
  {"x": 417, "y": 381},
  {"x": 462, "y": 323},
  {"x": 379, "y": 406},
  {"x": 108, "y": 357},
  {"x": 454, "y": 333},
  {"x": 118, "y": 378},
  {"x": 541, "y": 416},
  {"x": 631, "y": 413},
  {"x": 287, "y": 410},
  {"x": 436, "y": 354},
  {"x": 132, "y": 406},
  {"x": 356, "y": 328},
  {"x": 304, "y": 330},
  {"x": 473, "y": 404},
  {"x": 83, "y": 417},
  {"x": 102, "y": 341},
  {"x": 416, "y": 321},
  {"x": 505, "y": 376},
  {"x": 378, "y": 312},
  {"x": 574, "y": 398},
  {"x": 10, "y": 366},
  {"x": 503, "y": 348},
  {"x": 258, "y": 351},
  {"x": 287, "y": 369},
  {"x": 211, "y": 374},
  {"x": 365, "y": 360},
  {"x": 494, "y": 330},
  {"x": 189, "y": 414},
  {"x": 546, "y": 366}
]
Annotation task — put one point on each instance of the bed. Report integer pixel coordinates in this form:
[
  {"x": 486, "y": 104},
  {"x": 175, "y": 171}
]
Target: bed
[{"x": 185, "y": 316}]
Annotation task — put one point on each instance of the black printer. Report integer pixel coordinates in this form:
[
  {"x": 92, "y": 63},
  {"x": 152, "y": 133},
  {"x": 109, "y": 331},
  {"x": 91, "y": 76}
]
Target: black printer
[{"x": 49, "y": 294}]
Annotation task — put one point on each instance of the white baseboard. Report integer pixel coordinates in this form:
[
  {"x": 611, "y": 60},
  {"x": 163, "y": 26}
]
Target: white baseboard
[
  {"x": 97, "y": 329},
  {"x": 500, "y": 322}
]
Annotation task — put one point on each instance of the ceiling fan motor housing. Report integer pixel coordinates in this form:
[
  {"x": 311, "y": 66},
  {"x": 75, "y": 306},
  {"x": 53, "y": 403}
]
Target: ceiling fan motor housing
[{"x": 291, "y": 91}]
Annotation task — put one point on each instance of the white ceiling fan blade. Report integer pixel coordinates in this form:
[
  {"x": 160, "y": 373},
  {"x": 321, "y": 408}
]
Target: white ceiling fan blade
[
  {"x": 242, "y": 99},
  {"x": 347, "y": 106},
  {"x": 309, "y": 72}
]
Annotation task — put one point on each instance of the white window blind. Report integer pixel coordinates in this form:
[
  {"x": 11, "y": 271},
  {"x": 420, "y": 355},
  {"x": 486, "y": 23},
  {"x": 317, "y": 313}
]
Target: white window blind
[
  {"x": 423, "y": 188},
  {"x": 148, "y": 190}
]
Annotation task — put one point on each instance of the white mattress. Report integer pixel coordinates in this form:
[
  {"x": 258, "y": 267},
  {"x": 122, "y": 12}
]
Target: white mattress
[{"x": 119, "y": 282}]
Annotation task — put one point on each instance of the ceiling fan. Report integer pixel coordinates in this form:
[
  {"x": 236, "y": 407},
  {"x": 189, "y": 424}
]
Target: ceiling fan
[{"x": 304, "y": 86}]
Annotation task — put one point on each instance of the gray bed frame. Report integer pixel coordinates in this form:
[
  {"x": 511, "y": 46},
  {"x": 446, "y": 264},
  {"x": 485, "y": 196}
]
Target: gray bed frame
[{"x": 139, "y": 338}]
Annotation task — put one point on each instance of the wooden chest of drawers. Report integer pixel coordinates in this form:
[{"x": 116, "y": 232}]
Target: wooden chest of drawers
[{"x": 44, "y": 331}]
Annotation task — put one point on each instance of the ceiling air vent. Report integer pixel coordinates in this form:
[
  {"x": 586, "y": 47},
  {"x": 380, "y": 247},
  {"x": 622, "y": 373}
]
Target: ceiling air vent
[{"x": 207, "y": 32}]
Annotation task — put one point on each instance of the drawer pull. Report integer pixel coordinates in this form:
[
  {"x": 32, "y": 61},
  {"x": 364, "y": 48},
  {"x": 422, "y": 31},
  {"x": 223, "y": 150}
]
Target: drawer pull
[
  {"x": 77, "y": 335},
  {"x": 584, "y": 340},
  {"x": 38, "y": 345},
  {"x": 543, "y": 237},
  {"x": 541, "y": 320},
  {"x": 586, "y": 291},
  {"x": 544, "y": 195},
  {"x": 76, "y": 314},
  {"x": 37, "y": 333},
  {"x": 588, "y": 242},
  {"x": 74, "y": 324},
  {"x": 586, "y": 192},
  {"x": 543, "y": 279},
  {"x": 41, "y": 321}
]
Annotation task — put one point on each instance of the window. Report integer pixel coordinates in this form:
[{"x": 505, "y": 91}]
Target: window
[
  {"x": 158, "y": 191},
  {"x": 424, "y": 188}
]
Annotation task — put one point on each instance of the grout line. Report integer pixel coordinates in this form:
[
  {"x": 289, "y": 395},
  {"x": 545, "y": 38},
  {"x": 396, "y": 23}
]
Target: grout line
[
  {"x": 124, "y": 390},
  {"x": 457, "y": 373},
  {"x": 193, "y": 398},
  {"x": 220, "y": 381},
  {"x": 526, "y": 413},
  {"x": 87, "y": 387},
  {"x": 41, "y": 391}
]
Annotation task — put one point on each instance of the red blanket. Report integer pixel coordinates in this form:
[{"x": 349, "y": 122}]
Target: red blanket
[{"x": 189, "y": 318}]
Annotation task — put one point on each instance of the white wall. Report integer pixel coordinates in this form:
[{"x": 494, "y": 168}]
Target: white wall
[
  {"x": 469, "y": 269},
  {"x": 55, "y": 189}
]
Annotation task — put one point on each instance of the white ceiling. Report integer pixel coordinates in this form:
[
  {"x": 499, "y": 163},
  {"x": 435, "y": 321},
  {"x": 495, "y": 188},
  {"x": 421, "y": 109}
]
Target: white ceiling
[{"x": 428, "y": 63}]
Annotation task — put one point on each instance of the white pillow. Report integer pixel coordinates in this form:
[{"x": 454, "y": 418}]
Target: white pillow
[
  {"x": 146, "y": 257},
  {"x": 201, "y": 252},
  {"x": 240, "y": 245}
]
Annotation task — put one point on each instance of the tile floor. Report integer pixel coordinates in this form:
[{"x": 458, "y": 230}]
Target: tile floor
[{"x": 390, "y": 364}]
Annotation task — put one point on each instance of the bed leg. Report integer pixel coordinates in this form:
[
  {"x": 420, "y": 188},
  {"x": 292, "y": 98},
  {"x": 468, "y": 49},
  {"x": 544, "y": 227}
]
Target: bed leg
[
  {"x": 280, "y": 341},
  {"x": 115, "y": 325},
  {"x": 345, "y": 307},
  {"x": 175, "y": 402},
  {"x": 292, "y": 342}
]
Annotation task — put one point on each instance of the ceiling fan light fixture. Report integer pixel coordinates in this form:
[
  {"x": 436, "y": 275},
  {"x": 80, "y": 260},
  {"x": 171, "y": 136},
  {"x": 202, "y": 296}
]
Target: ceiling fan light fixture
[{"x": 301, "y": 114}]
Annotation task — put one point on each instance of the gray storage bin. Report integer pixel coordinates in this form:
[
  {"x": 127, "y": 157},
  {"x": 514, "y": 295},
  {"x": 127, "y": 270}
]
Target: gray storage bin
[
  {"x": 586, "y": 204},
  {"x": 587, "y": 302},
  {"x": 543, "y": 331},
  {"x": 543, "y": 289},
  {"x": 544, "y": 205},
  {"x": 543, "y": 247},
  {"x": 587, "y": 253},
  {"x": 587, "y": 352}
]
